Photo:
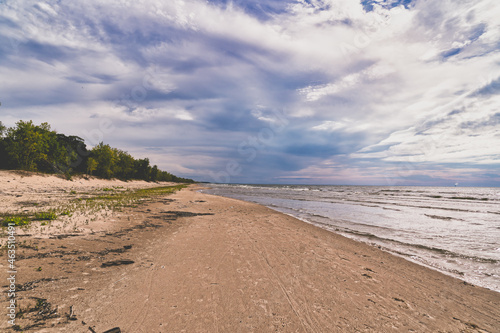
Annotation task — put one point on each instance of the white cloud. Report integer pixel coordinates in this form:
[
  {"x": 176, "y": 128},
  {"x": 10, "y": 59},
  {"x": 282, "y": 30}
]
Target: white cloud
[
  {"x": 329, "y": 126},
  {"x": 314, "y": 93},
  {"x": 471, "y": 135},
  {"x": 389, "y": 78}
]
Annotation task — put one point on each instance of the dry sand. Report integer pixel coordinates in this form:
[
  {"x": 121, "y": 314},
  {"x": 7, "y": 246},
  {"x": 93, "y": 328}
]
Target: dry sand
[
  {"x": 203, "y": 263},
  {"x": 24, "y": 192}
]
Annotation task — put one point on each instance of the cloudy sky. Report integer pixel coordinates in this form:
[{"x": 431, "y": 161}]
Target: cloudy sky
[{"x": 390, "y": 92}]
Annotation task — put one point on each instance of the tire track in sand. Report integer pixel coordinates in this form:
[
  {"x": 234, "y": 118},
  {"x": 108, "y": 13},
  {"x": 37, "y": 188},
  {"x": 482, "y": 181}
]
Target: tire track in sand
[{"x": 305, "y": 320}]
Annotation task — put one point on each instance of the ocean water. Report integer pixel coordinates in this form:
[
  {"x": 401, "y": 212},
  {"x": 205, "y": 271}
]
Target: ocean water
[{"x": 455, "y": 230}]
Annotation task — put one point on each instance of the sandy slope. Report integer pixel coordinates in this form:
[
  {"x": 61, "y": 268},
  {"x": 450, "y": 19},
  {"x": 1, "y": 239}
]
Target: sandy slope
[
  {"x": 245, "y": 268},
  {"x": 27, "y": 192}
]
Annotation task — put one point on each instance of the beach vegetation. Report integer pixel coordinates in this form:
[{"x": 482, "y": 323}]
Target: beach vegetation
[
  {"x": 117, "y": 200},
  {"x": 92, "y": 204},
  {"x": 65, "y": 213},
  {"x": 18, "y": 220},
  {"x": 46, "y": 216}
]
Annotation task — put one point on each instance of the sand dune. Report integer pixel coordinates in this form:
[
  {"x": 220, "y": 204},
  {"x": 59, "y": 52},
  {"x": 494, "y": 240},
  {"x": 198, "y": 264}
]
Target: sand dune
[{"x": 24, "y": 192}]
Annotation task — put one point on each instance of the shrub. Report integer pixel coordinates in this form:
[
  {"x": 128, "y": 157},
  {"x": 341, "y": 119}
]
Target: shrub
[
  {"x": 16, "y": 220},
  {"x": 45, "y": 216}
]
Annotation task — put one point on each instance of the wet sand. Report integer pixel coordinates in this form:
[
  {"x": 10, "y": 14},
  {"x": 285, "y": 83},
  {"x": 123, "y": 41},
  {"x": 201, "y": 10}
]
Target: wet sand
[{"x": 192, "y": 262}]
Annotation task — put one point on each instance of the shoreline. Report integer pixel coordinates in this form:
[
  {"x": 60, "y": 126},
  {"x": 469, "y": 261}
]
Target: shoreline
[
  {"x": 387, "y": 250},
  {"x": 207, "y": 263},
  {"x": 427, "y": 226}
]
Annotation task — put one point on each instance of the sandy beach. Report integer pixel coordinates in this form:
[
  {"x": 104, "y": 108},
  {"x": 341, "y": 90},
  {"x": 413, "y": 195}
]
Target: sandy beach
[{"x": 192, "y": 262}]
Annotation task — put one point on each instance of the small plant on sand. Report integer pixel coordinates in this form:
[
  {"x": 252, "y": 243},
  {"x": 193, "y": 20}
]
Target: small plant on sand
[
  {"x": 65, "y": 213},
  {"x": 46, "y": 216},
  {"x": 16, "y": 220}
]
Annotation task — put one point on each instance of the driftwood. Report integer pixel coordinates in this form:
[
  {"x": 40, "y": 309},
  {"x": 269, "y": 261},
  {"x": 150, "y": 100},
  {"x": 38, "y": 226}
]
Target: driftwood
[{"x": 71, "y": 315}]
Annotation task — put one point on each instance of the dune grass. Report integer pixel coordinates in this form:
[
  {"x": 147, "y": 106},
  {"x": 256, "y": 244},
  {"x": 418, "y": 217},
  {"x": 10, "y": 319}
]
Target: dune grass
[
  {"x": 45, "y": 216},
  {"x": 17, "y": 220},
  {"x": 91, "y": 203}
]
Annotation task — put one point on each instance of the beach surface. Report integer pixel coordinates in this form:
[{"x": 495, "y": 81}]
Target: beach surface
[{"x": 192, "y": 262}]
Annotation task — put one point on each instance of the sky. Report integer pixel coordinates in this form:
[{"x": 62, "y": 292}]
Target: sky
[{"x": 371, "y": 92}]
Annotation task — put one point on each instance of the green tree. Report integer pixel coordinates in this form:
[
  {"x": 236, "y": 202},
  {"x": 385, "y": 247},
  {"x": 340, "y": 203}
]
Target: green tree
[
  {"x": 154, "y": 174},
  {"x": 57, "y": 159},
  {"x": 125, "y": 166},
  {"x": 38, "y": 148},
  {"x": 165, "y": 177},
  {"x": 106, "y": 159},
  {"x": 142, "y": 169},
  {"x": 91, "y": 165},
  {"x": 73, "y": 153},
  {"x": 28, "y": 144}
]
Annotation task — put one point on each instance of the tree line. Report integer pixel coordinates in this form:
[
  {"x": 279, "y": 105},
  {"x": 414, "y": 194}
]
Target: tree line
[{"x": 31, "y": 147}]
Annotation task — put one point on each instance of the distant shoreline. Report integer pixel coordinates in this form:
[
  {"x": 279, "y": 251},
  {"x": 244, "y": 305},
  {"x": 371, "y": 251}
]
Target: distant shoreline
[{"x": 383, "y": 185}]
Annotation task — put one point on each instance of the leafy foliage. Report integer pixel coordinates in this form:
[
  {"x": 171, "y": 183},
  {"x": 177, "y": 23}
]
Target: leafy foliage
[
  {"x": 38, "y": 148},
  {"x": 28, "y": 145},
  {"x": 46, "y": 216},
  {"x": 16, "y": 220},
  {"x": 91, "y": 165}
]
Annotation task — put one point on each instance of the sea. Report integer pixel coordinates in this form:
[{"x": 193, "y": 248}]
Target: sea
[{"x": 455, "y": 230}]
